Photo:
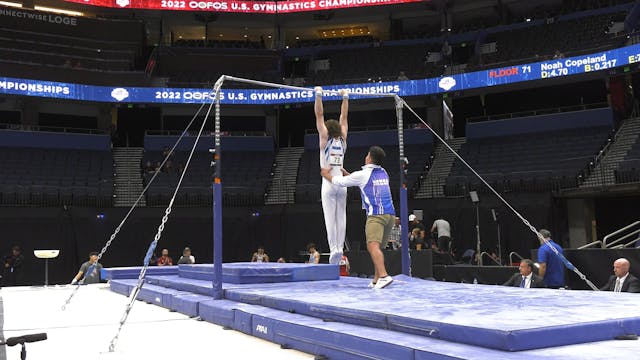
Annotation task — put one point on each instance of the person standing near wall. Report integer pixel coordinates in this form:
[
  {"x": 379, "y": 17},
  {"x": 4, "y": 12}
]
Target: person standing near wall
[{"x": 13, "y": 267}]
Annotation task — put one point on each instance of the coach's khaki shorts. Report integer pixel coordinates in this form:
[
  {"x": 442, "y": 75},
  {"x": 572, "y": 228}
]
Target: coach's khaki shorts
[{"x": 378, "y": 227}]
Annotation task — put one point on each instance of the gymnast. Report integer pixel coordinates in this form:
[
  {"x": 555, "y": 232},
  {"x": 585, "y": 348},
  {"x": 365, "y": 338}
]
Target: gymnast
[{"x": 333, "y": 145}]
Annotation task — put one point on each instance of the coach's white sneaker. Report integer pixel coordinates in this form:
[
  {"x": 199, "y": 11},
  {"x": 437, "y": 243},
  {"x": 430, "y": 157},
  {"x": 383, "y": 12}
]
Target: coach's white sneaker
[
  {"x": 371, "y": 285},
  {"x": 383, "y": 282}
]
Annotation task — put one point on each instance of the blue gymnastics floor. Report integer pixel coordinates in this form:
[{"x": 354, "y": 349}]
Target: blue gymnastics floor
[{"x": 481, "y": 318}]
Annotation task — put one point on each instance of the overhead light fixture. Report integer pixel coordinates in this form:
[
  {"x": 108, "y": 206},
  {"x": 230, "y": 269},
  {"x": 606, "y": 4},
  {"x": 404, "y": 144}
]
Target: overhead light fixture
[
  {"x": 11, "y": 4},
  {"x": 58, "y": 11}
]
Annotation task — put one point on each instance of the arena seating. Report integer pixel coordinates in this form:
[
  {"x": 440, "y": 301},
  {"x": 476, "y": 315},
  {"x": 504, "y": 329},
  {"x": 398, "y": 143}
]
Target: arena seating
[
  {"x": 56, "y": 168},
  {"x": 246, "y": 174},
  {"x": 549, "y": 37},
  {"x": 50, "y": 49},
  {"x": 541, "y": 39},
  {"x": 543, "y": 161},
  {"x": 376, "y": 63},
  {"x": 53, "y": 177},
  {"x": 629, "y": 169},
  {"x": 81, "y": 43},
  {"x": 118, "y": 46},
  {"x": 202, "y": 66}
]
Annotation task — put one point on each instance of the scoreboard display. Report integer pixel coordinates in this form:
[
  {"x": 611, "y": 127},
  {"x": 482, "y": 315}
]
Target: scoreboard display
[
  {"x": 472, "y": 80},
  {"x": 258, "y": 7}
]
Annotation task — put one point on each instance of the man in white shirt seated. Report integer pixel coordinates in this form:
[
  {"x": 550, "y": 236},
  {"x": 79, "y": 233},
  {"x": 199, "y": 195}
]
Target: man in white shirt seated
[
  {"x": 622, "y": 281},
  {"x": 525, "y": 278}
]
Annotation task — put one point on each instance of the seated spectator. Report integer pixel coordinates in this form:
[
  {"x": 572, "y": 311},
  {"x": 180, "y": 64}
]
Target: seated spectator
[
  {"x": 166, "y": 151},
  {"x": 165, "y": 259},
  {"x": 395, "y": 236},
  {"x": 622, "y": 281},
  {"x": 260, "y": 255},
  {"x": 168, "y": 166},
  {"x": 402, "y": 76},
  {"x": 186, "y": 257},
  {"x": 149, "y": 168},
  {"x": 417, "y": 239},
  {"x": 414, "y": 223},
  {"x": 468, "y": 256},
  {"x": 525, "y": 278},
  {"x": 281, "y": 260},
  {"x": 314, "y": 255}
]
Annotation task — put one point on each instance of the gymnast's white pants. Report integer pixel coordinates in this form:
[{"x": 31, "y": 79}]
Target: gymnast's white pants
[{"x": 334, "y": 207}]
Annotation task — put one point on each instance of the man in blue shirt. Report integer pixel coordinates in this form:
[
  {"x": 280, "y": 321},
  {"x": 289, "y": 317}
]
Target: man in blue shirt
[
  {"x": 551, "y": 266},
  {"x": 373, "y": 181}
]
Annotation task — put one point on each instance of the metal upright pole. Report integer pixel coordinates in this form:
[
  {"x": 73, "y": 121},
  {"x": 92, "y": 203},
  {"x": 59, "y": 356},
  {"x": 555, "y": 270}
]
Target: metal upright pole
[
  {"x": 404, "y": 224},
  {"x": 217, "y": 199}
]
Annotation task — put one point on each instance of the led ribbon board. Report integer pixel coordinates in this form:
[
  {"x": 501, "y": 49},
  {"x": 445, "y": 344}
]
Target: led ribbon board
[
  {"x": 478, "y": 79},
  {"x": 257, "y": 7}
]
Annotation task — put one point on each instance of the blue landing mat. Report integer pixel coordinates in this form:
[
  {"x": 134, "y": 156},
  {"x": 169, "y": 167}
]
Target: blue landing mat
[
  {"x": 346, "y": 341},
  {"x": 259, "y": 273},
  {"x": 496, "y": 317},
  {"x": 487, "y": 316},
  {"x": 235, "y": 273},
  {"x": 202, "y": 287},
  {"x": 335, "y": 340},
  {"x": 134, "y": 271}
]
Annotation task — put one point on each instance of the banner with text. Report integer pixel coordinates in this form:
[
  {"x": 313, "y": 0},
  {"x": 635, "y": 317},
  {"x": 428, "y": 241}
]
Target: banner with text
[
  {"x": 259, "y": 7},
  {"x": 478, "y": 79}
]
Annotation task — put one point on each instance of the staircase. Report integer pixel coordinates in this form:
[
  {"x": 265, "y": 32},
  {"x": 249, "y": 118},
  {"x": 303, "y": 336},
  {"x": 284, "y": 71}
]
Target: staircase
[
  {"x": 603, "y": 173},
  {"x": 283, "y": 186},
  {"x": 432, "y": 185},
  {"x": 127, "y": 176}
]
